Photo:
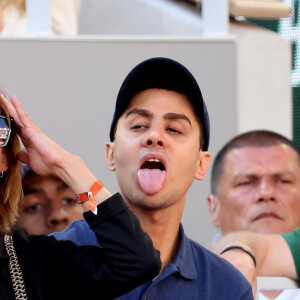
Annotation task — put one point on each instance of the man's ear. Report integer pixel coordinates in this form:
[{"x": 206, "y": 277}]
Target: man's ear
[
  {"x": 213, "y": 203},
  {"x": 110, "y": 155},
  {"x": 203, "y": 164}
]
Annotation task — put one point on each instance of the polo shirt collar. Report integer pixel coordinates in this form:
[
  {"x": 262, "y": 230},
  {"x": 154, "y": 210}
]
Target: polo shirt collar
[{"x": 184, "y": 260}]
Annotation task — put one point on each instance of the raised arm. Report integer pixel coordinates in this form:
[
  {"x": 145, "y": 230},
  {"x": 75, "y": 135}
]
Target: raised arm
[
  {"x": 126, "y": 257},
  {"x": 45, "y": 157}
]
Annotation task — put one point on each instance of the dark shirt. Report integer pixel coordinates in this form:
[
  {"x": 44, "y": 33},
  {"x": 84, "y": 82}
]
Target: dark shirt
[
  {"x": 61, "y": 270},
  {"x": 293, "y": 240},
  {"x": 194, "y": 274}
]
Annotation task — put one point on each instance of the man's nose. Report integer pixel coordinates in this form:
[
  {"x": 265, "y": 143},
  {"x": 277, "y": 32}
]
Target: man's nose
[
  {"x": 155, "y": 138},
  {"x": 266, "y": 191},
  {"x": 57, "y": 217}
]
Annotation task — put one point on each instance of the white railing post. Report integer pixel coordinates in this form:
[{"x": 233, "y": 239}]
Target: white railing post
[
  {"x": 215, "y": 17},
  {"x": 38, "y": 17}
]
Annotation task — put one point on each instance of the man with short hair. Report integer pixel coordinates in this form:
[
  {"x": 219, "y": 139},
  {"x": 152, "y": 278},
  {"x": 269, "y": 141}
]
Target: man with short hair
[
  {"x": 158, "y": 145},
  {"x": 48, "y": 205},
  {"x": 255, "y": 184}
]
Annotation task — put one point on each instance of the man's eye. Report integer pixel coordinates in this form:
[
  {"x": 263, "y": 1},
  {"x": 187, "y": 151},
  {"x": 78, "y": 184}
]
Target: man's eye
[
  {"x": 244, "y": 183},
  {"x": 70, "y": 201},
  {"x": 138, "y": 126},
  {"x": 285, "y": 181},
  {"x": 173, "y": 130},
  {"x": 33, "y": 208}
]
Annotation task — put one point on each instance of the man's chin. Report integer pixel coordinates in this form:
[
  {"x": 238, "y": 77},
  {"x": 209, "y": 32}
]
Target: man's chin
[{"x": 270, "y": 226}]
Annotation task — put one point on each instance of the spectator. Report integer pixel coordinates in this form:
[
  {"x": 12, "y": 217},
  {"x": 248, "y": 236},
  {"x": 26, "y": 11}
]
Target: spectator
[
  {"x": 49, "y": 205},
  {"x": 255, "y": 184},
  {"x": 158, "y": 145}
]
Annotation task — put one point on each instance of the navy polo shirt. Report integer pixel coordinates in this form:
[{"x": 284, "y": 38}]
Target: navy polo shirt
[{"x": 195, "y": 273}]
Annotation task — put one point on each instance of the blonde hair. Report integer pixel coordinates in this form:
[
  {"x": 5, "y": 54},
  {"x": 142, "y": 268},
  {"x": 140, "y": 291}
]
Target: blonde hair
[
  {"x": 21, "y": 4},
  {"x": 11, "y": 188}
]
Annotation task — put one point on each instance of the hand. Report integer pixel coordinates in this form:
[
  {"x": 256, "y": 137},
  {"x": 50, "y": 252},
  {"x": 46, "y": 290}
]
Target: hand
[
  {"x": 244, "y": 263},
  {"x": 42, "y": 154},
  {"x": 45, "y": 157}
]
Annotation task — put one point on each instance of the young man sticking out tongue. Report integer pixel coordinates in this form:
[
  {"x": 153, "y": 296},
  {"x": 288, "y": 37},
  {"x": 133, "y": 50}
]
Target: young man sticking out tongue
[{"x": 158, "y": 145}]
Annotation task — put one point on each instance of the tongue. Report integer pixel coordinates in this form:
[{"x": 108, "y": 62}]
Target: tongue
[{"x": 151, "y": 180}]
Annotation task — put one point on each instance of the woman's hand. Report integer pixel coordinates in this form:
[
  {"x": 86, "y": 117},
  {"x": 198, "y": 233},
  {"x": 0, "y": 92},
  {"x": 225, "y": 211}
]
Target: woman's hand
[
  {"x": 42, "y": 154},
  {"x": 45, "y": 157}
]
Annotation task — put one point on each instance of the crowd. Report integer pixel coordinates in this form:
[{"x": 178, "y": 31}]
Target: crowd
[{"x": 74, "y": 239}]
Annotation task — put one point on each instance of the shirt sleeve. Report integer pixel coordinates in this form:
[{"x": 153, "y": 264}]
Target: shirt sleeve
[{"x": 293, "y": 240}]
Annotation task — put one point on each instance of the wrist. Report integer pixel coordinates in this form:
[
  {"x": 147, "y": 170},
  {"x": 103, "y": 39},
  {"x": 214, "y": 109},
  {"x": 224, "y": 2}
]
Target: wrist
[
  {"x": 73, "y": 171},
  {"x": 241, "y": 247},
  {"x": 89, "y": 196}
]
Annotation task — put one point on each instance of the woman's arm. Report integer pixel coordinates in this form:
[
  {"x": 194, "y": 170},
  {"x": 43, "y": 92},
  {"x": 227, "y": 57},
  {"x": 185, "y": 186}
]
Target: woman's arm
[
  {"x": 125, "y": 260},
  {"x": 45, "y": 157}
]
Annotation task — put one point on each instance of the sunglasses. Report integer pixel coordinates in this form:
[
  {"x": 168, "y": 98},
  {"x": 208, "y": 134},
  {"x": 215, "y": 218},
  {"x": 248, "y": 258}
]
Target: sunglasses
[{"x": 5, "y": 130}]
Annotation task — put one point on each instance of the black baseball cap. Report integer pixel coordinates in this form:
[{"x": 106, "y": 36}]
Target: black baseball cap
[{"x": 164, "y": 73}]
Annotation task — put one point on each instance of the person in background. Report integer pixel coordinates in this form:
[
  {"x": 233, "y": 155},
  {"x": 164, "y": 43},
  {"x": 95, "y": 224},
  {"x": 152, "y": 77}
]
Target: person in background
[
  {"x": 255, "y": 184},
  {"x": 64, "y": 17},
  {"x": 48, "y": 205},
  {"x": 158, "y": 145}
]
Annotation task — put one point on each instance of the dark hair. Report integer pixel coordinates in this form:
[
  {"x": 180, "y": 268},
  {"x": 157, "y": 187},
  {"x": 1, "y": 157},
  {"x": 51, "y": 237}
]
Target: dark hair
[{"x": 255, "y": 138}]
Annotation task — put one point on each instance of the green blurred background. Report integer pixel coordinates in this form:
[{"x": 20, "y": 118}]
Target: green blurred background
[{"x": 289, "y": 29}]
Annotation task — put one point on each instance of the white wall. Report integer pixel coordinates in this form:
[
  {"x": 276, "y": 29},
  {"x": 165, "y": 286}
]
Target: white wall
[{"x": 264, "y": 89}]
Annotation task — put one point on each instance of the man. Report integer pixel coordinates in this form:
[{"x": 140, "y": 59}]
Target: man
[
  {"x": 158, "y": 144},
  {"x": 49, "y": 205},
  {"x": 255, "y": 184}
]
